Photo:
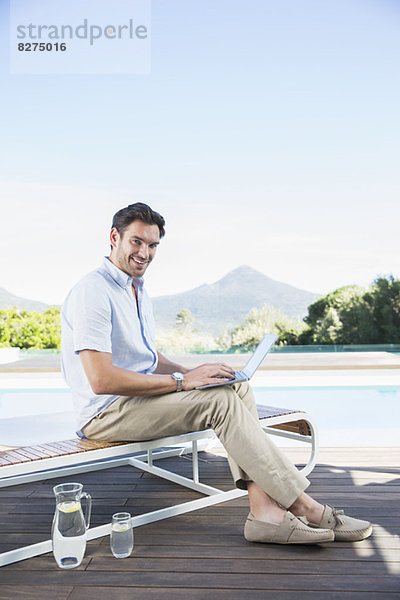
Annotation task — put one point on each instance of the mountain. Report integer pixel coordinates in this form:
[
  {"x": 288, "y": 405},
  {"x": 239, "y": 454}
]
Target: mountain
[
  {"x": 226, "y": 302},
  {"x": 214, "y": 306},
  {"x": 8, "y": 300}
]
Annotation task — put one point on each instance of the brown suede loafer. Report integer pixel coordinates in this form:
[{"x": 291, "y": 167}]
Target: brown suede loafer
[
  {"x": 292, "y": 530},
  {"x": 346, "y": 529}
]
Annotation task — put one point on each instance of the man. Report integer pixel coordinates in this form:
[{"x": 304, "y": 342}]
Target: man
[{"x": 125, "y": 390}]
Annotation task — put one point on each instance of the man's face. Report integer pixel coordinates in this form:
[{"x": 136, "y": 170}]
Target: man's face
[{"x": 134, "y": 250}]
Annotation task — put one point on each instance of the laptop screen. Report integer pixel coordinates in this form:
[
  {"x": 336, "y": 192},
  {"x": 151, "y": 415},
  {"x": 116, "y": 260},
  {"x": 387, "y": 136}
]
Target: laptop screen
[{"x": 260, "y": 353}]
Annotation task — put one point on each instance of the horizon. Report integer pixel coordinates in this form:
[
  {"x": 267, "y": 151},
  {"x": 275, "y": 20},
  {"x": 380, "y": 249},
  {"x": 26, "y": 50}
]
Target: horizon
[
  {"x": 265, "y": 133},
  {"x": 202, "y": 284},
  {"x": 187, "y": 290}
]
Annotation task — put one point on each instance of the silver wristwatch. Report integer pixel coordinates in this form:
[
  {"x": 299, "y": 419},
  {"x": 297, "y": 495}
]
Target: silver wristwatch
[{"x": 179, "y": 380}]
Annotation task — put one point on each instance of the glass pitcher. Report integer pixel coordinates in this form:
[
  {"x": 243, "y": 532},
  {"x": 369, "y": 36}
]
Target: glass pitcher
[{"x": 69, "y": 527}]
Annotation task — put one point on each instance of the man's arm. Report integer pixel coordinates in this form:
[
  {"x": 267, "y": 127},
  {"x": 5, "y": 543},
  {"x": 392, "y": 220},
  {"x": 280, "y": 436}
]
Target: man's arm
[{"x": 106, "y": 378}]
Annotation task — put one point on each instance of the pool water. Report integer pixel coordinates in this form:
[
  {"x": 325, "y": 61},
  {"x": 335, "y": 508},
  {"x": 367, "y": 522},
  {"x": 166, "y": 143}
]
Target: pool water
[
  {"x": 35, "y": 416},
  {"x": 363, "y": 415},
  {"x": 345, "y": 416},
  {"x": 24, "y": 403}
]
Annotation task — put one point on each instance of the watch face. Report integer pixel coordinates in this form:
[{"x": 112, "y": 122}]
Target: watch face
[{"x": 179, "y": 380}]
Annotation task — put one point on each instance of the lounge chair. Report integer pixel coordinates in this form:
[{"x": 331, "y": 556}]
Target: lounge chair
[{"x": 68, "y": 457}]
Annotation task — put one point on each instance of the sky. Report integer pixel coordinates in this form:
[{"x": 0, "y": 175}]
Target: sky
[{"x": 267, "y": 133}]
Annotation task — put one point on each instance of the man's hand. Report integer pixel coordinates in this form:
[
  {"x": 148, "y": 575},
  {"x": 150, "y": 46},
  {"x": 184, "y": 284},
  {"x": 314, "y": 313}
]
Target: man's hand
[{"x": 205, "y": 374}]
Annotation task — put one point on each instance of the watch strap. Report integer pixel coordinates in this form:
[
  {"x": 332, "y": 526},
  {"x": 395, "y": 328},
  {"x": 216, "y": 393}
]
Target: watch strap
[{"x": 179, "y": 380}]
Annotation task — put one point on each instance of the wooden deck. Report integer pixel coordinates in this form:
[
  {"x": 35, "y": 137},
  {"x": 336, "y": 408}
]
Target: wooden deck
[{"x": 203, "y": 554}]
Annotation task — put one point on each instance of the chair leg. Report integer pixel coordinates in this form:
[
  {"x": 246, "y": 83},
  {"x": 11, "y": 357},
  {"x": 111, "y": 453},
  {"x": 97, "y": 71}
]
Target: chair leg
[
  {"x": 314, "y": 449},
  {"x": 195, "y": 461},
  {"x": 309, "y": 439}
]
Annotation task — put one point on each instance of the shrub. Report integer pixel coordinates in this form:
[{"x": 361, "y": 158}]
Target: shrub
[
  {"x": 249, "y": 334},
  {"x": 30, "y": 329}
]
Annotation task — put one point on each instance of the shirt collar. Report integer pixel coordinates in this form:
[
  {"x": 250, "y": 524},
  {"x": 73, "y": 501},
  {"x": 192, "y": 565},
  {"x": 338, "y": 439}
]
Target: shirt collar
[{"x": 122, "y": 279}]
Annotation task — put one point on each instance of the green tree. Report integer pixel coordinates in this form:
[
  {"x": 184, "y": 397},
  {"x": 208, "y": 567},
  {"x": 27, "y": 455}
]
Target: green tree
[
  {"x": 350, "y": 315},
  {"x": 267, "y": 318},
  {"x": 5, "y": 331},
  {"x": 383, "y": 299},
  {"x": 341, "y": 317},
  {"x": 51, "y": 328},
  {"x": 184, "y": 319},
  {"x": 25, "y": 329}
]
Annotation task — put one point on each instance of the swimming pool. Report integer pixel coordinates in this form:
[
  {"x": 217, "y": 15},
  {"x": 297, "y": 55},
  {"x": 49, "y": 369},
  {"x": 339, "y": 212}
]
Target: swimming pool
[
  {"x": 344, "y": 416},
  {"x": 349, "y": 408}
]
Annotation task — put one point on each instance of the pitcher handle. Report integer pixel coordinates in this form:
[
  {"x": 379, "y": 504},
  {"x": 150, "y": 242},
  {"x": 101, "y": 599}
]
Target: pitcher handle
[{"x": 88, "y": 510}]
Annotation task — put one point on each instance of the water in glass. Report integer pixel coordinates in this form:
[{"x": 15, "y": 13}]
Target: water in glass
[{"x": 121, "y": 539}]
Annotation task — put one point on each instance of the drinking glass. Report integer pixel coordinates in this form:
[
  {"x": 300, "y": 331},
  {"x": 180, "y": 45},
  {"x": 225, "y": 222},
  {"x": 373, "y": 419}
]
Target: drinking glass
[{"x": 121, "y": 538}]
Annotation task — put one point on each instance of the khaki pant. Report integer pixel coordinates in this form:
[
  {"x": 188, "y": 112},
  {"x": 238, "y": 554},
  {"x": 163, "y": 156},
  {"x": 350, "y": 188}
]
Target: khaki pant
[{"x": 229, "y": 410}]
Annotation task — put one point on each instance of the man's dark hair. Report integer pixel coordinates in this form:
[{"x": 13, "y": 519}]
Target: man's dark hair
[{"x": 137, "y": 212}]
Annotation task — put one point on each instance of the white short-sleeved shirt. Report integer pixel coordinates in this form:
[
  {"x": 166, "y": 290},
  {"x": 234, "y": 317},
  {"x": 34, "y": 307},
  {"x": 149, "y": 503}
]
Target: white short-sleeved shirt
[{"x": 100, "y": 313}]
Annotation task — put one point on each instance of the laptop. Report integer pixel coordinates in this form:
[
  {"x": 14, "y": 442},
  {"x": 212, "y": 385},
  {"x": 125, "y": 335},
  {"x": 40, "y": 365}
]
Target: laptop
[{"x": 252, "y": 364}]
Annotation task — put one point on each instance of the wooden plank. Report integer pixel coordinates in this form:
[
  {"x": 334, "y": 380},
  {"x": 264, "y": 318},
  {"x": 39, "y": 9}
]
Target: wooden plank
[
  {"x": 28, "y": 454},
  {"x": 14, "y": 457},
  {"x": 98, "y": 559},
  {"x": 151, "y": 536},
  {"x": 39, "y": 453},
  {"x": 55, "y": 451},
  {"x": 45, "y": 451},
  {"x": 175, "y": 593},
  {"x": 28, "y": 592},
  {"x": 344, "y": 583},
  {"x": 147, "y": 546},
  {"x": 45, "y": 563},
  {"x": 239, "y": 565},
  {"x": 93, "y": 445},
  {"x": 300, "y": 427},
  {"x": 265, "y": 411},
  {"x": 66, "y": 448},
  {"x": 378, "y": 488}
]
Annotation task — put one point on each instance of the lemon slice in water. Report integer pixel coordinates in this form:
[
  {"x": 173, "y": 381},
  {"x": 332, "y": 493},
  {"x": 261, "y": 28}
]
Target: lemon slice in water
[
  {"x": 120, "y": 527},
  {"x": 69, "y": 506}
]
